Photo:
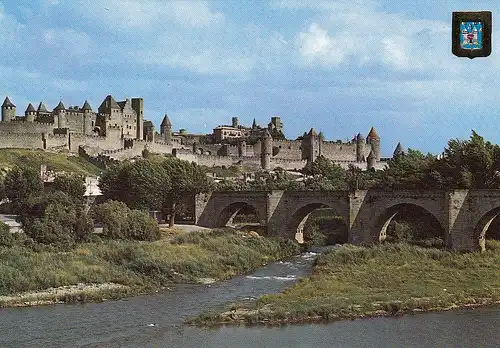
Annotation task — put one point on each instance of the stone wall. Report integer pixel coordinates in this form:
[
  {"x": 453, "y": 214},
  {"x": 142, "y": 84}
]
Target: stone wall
[
  {"x": 287, "y": 149},
  {"x": 56, "y": 141},
  {"x": 104, "y": 143},
  {"x": 21, "y": 127},
  {"x": 339, "y": 152},
  {"x": 24, "y": 140}
]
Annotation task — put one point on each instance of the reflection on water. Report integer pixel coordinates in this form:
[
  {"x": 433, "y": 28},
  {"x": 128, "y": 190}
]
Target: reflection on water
[{"x": 156, "y": 321}]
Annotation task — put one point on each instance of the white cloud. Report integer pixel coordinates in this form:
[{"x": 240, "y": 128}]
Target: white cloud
[
  {"x": 357, "y": 33},
  {"x": 149, "y": 14},
  {"x": 206, "y": 62},
  {"x": 67, "y": 39}
]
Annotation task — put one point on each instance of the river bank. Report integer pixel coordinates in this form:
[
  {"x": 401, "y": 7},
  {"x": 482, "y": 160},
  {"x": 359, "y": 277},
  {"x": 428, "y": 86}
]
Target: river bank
[
  {"x": 115, "y": 269},
  {"x": 350, "y": 282}
]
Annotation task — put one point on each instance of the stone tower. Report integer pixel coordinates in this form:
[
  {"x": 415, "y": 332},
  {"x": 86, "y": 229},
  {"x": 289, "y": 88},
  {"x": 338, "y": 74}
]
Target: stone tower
[
  {"x": 138, "y": 106},
  {"x": 60, "y": 112},
  {"x": 87, "y": 112},
  {"x": 235, "y": 122},
  {"x": 371, "y": 160},
  {"x": 242, "y": 149},
  {"x": 311, "y": 147},
  {"x": 8, "y": 110},
  {"x": 166, "y": 130},
  {"x": 267, "y": 150},
  {"x": 360, "y": 148},
  {"x": 399, "y": 150},
  {"x": 30, "y": 113},
  {"x": 374, "y": 141}
]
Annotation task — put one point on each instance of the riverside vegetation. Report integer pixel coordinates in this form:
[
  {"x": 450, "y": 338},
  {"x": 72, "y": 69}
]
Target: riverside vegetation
[
  {"x": 354, "y": 282},
  {"x": 126, "y": 267}
]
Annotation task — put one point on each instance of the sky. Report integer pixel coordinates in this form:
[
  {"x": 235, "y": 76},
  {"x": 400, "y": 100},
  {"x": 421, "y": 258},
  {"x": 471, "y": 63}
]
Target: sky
[{"x": 338, "y": 66}]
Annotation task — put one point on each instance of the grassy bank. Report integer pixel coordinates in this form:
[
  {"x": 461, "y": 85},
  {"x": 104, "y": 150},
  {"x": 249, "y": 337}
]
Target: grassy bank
[
  {"x": 125, "y": 268},
  {"x": 355, "y": 282},
  {"x": 54, "y": 161}
]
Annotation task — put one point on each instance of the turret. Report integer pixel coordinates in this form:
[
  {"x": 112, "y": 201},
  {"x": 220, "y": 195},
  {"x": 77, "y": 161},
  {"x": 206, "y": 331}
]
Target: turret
[
  {"x": 30, "y": 113},
  {"x": 399, "y": 150},
  {"x": 311, "y": 147},
  {"x": 60, "y": 112},
  {"x": 360, "y": 148},
  {"x": 371, "y": 160},
  {"x": 138, "y": 106},
  {"x": 267, "y": 150},
  {"x": 8, "y": 110},
  {"x": 87, "y": 115},
  {"x": 374, "y": 141},
  {"x": 254, "y": 124},
  {"x": 242, "y": 149},
  {"x": 235, "y": 122},
  {"x": 166, "y": 129}
]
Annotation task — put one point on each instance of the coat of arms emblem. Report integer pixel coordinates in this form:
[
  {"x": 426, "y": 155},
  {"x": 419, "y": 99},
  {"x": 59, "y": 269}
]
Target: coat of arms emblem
[{"x": 471, "y": 37}]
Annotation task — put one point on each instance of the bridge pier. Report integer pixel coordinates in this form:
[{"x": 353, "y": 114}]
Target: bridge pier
[{"x": 463, "y": 215}]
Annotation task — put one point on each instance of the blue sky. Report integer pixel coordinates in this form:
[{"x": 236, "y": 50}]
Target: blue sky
[{"x": 338, "y": 66}]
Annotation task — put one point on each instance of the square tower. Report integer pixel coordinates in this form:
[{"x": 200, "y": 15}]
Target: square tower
[{"x": 138, "y": 106}]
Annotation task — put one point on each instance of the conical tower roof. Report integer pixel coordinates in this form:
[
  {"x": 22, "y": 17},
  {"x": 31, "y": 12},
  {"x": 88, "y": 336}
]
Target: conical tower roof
[
  {"x": 360, "y": 137},
  {"x": 254, "y": 124},
  {"x": 166, "y": 122},
  {"x": 42, "y": 107},
  {"x": 60, "y": 106},
  {"x": 7, "y": 102},
  {"x": 86, "y": 106},
  {"x": 373, "y": 134},
  {"x": 30, "y": 108},
  {"x": 111, "y": 102},
  {"x": 313, "y": 132},
  {"x": 399, "y": 149}
]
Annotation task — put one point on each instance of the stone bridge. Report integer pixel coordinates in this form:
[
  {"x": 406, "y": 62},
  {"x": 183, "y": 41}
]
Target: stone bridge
[{"x": 464, "y": 215}]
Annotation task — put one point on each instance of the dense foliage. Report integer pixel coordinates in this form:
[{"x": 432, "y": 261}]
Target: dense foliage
[{"x": 160, "y": 184}]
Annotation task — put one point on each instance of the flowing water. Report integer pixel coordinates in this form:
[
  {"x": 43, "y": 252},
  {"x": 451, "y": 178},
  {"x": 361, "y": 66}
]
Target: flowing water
[{"x": 156, "y": 321}]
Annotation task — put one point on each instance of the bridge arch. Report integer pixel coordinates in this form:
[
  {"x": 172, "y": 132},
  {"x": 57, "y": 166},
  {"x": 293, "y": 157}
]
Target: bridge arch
[
  {"x": 229, "y": 212},
  {"x": 482, "y": 226},
  {"x": 300, "y": 216},
  {"x": 406, "y": 210}
]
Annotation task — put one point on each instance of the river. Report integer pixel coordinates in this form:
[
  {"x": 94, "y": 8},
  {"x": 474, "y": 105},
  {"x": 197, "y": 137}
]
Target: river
[{"x": 156, "y": 321}]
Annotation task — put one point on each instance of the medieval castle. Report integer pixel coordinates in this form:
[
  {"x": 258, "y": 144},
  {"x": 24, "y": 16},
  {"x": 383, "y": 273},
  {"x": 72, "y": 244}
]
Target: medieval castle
[{"x": 118, "y": 131}]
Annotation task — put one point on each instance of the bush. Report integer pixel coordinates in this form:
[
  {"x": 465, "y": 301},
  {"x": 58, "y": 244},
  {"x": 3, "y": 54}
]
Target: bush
[
  {"x": 55, "y": 219},
  {"x": 6, "y": 238},
  {"x": 121, "y": 222},
  {"x": 142, "y": 227}
]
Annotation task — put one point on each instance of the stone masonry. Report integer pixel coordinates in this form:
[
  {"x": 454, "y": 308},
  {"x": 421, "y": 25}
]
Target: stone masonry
[{"x": 464, "y": 215}]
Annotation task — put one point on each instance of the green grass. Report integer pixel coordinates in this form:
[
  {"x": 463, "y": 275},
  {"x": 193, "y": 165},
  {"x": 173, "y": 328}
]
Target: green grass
[
  {"x": 353, "y": 282},
  {"x": 54, "y": 161},
  {"x": 142, "y": 266}
]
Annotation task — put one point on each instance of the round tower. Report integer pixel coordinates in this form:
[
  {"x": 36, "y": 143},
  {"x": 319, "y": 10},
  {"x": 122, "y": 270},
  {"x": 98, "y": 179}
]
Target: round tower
[
  {"x": 60, "y": 111},
  {"x": 399, "y": 151},
  {"x": 360, "y": 148},
  {"x": 267, "y": 150},
  {"x": 374, "y": 141},
  {"x": 166, "y": 130},
  {"x": 30, "y": 113},
  {"x": 371, "y": 160},
  {"x": 8, "y": 110},
  {"x": 242, "y": 149},
  {"x": 87, "y": 118}
]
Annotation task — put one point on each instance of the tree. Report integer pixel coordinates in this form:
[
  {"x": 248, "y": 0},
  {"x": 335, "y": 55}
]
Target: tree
[
  {"x": 186, "y": 178},
  {"x": 55, "y": 218},
  {"x": 326, "y": 176},
  {"x": 143, "y": 184},
  {"x": 409, "y": 171},
  {"x": 22, "y": 183},
  {"x": 72, "y": 185}
]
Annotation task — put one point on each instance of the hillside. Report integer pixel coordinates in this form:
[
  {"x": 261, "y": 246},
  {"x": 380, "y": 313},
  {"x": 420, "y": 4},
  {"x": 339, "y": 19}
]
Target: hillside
[{"x": 54, "y": 161}]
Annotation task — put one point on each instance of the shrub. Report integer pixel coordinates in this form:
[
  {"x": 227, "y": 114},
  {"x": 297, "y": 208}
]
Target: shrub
[
  {"x": 6, "y": 238},
  {"x": 121, "y": 222},
  {"x": 141, "y": 226}
]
